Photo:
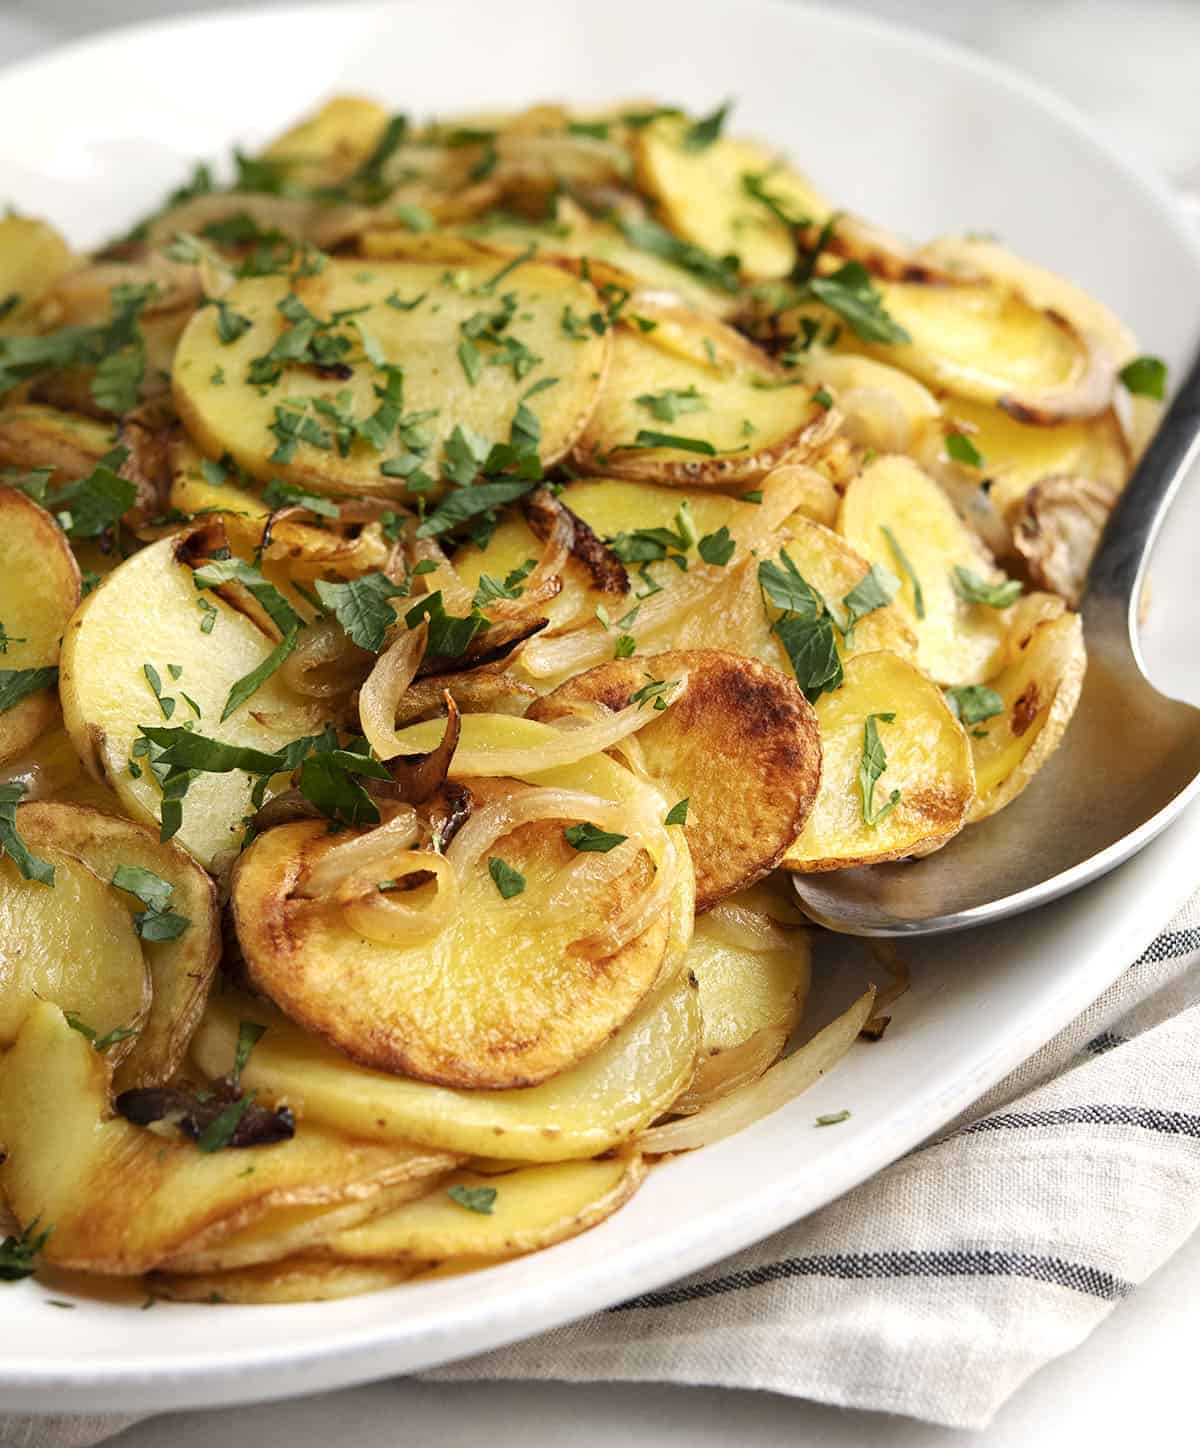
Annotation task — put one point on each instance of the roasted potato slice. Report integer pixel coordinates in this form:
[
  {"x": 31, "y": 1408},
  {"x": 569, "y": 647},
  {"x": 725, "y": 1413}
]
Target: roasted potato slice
[
  {"x": 587, "y": 1109},
  {"x": 985, "y": 341},
  {"x": 327, "y": 146},
  {"x": 72, "y": 943},
  {"x": 298, "y": 1279},
  {"x": 33, "y": 436},
  {"x": 32, "y": 258},
  {"x": 928, "y": 769},
  {"x": 503, "y": 996},
  {"x": 702, "y": 195},
  {"x": 741, "y": 414},
  {"x": 123, "y": 1199},
  {"x": 39, "y": 590},
  {"x": 754, "y": 977},
  {"x": 741, "y": 746},
  {"x": 455, "y": 376},
  {"x": 1038, "y": 692},
  {"x": 526, "y": 1209},
  {"x": 148, "y": 611},
  {"x": 297, "y": 1231},
  {"x": 896, "y": 515},
  {"x": 181, "y": 969}
]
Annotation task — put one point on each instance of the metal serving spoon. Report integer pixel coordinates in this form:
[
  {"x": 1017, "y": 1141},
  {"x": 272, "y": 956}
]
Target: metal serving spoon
[{"x": 1129, "y": 763}]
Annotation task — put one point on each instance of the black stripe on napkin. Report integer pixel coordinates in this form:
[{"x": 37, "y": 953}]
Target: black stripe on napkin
[
  {"x": 1171, "y": 945},
  {"x": 1170, "y": 1123},
  {"x": 863, "y": 1266}
]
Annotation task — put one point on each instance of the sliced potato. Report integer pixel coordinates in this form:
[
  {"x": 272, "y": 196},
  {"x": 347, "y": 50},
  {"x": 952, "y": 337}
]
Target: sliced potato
[
  {"x": 587, "y": 1109},
  {"x": 236, "y": 416},
  {"x": 1039, "y": 689},
  {"x": 32, "y": 436},
  {"x": 181, "y": 970},
  {"x": 50, "y": 769},
  {"x": 984, "y": 341},
  {"x": 533, "y": 1207},
  {"x": 325, "y": 147},
  {"x": 741, "y": 745},
  {"x": 72, "y": 943},
  {"x": 754, "y": 978},
  {"x": 123, "y": 1199},
  {"x": 296, "y": 1231},
  {"x": 299, "y": 1279},
  {"x": 928, "y": 762},
  {"x": 147, "y": 611},
  {"x": 747, "y": 417},
  {"x": 39, "y": 590},
  {"x": 502, "y": 997},
  {"x": 32, "y": 258},
  {"x": 957, "y": 642},
  {"x": 883, "y": 408},
  {"x": 701, "y": 195}
]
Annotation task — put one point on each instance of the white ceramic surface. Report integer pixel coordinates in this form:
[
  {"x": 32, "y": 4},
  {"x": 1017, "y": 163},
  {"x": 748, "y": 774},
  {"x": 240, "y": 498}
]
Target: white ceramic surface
[{"x": 911, "y": 132}]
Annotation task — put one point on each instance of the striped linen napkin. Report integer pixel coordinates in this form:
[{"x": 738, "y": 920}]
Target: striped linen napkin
[{"x": 935, "y": 1289}]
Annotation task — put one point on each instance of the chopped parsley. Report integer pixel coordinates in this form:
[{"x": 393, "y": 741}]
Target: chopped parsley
[
  {"x": 589, "y": 838},
  {"x": 18, "y": 684},
  {"x": 902, "y": 559},
  {"x": 158, "y": 921},
  {"x": 508, "y": 881},
  {"x": 873, "y": 766},
  {"x": 249, "y": 684},
  {"x": 960, "y": 447},
  {"x": 973, "y": 703},
  {"x": 875, "y": 589},
  {"x": 11, "y": 843},
  {"x": 805, "y": 629},
  {"x": 973, "y": 589},
  {"x": 475, "y": 1199},
  {"x": 647, "y": 437},
  {"x": 669, "y": 404},
  {"x": 361, "y": 606},
  {"x": 18, "y": 1255},
  {"x": 649, "y": 236},
  {"x": 100, "y": 1043},
  {"x": 678, "y": 813},
  {"x": 1145, "y": 377},
  {"x": 701, "y": 135}
]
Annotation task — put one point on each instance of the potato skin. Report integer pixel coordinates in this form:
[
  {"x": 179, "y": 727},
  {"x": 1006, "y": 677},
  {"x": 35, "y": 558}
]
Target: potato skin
[{"x": 743, "y": 744}]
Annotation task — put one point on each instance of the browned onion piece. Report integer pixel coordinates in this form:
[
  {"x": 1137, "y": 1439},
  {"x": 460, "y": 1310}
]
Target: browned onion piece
[
  {"x": 605, "y": 570},
  {"x": 443, "y": 579},
  {"x": 420, "y": 776},
  {"x": 483, "y": 690},
  {"x": 354, "y": 854},
  {"x": 324, "y": 663},
  {"x": 284, "y": 809},
  {"x": 386, "y": 684}
]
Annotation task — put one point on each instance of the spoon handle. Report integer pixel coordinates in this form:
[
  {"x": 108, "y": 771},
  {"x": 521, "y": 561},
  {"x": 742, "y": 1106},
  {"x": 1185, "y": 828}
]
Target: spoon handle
[{"x": 1116, "y": 573}]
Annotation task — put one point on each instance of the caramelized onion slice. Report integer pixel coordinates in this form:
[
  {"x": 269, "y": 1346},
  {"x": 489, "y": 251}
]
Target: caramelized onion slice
[
  {"x": 781, "y": 1084},
  {"x": 356, "y": 853},
  {"x": 391, "y": 918},
  {"x": 394, "y": 671}
]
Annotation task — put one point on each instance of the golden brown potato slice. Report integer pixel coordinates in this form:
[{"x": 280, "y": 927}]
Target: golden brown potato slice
[
  {"x": 1017, "y": 455},
  {"x": 33, "y": 436},
  {"x": 39, "y": 590},
  {"x": 927, "y": 770},
  {"x": 181, "y": 968},
  {"x": 122, "y": 1199},
  {"x": 72, "y": 943},
  {"x": 702, "y": 196},
  {"x": 296, "y": 1231},
  {"x": 741, "y": 414},
  {"x": 896, "y": 515},
  {"x": 587, "y": 1109},
  {"x": 325, "y": 147},
  {"x": 502, "y": 996},
  {"x": 1038, "y": 692},
  {"x": 741, "y": 746},
  {"x": 754, "y": 978},
  {"x": 518, "y": 1211},
  {"x": 149, "y": 611},
  {"x": 468, "y": 354},
  {"x": 299, "y": 1279},
  {"x": 985, "y": 341},
  {"x": 32, "y": 258}
]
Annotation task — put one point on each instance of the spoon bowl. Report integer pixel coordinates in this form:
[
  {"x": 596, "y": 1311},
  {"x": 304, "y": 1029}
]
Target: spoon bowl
[{"x": 1128, "y": 763}]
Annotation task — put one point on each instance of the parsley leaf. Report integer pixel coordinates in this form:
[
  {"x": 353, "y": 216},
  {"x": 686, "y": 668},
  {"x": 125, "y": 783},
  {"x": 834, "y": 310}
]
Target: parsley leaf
[
  {"x": 649, "y": 236},
  {"x": 902, "y": 559},
  {"x": 280, "y": 494},
  {"x": 450, "y": 635},
  {"x": 591, "y": 839},
  {"x": 1145, "y": 377},
  {"x": 100, "y": 1043},
  {"x": 853, "y": 296},
  {"x": 806, "y": 628},
  {"x": 18, "y": 1254},
  {"x": 217, "y": 571},
  {"x": 468, "y": 502},
  {"x": 249, "y": 684},
  {"x": 11, "y": 843},
  {"x": 874, "y": 764},
  {"x": 508, "y": 881},
  {"x": 973, "y": 589},
  {"x": 647, "y": 437},
  {"x": 249, "y": 1035},
  {"x": 361, "y": 606},
  {"x": 18, "y": 684},
  {"x": 678, "y": 813},
  {"x": 700, "y": 137},
  {"x": 475, "y": 1199},
  {"x": 875, "y": 589},
  {"x": 157, "y": 921},
  {"x": 973, "y": 703},
  {"x": 672, "y": 401},
  {"x": 960, "y": 447}
]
